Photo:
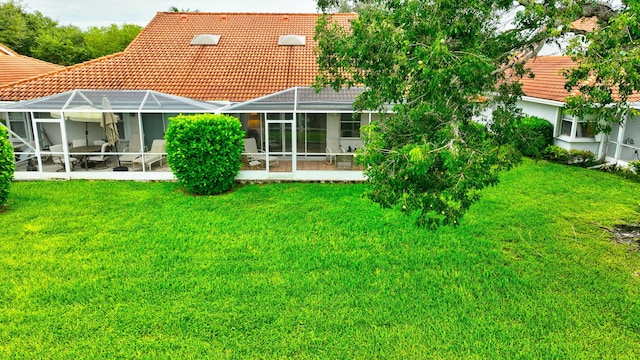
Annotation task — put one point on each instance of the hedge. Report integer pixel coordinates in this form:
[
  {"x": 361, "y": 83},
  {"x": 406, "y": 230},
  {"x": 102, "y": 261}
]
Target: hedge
[
  {"x": 204, "y": 151},
  {"x": 7, "y": 165}
]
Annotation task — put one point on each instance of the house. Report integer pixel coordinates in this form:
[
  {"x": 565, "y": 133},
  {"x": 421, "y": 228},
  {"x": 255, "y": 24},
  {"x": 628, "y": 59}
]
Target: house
[
  {"x": 16, "y": 67},
  {"x": 256, "y": 66},
  {"x": 545, "y": 96}
]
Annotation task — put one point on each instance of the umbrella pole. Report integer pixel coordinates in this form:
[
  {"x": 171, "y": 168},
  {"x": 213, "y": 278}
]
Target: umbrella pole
[
  {"x": 117, "y": 156},
  {"x": 120, "y": 167}
]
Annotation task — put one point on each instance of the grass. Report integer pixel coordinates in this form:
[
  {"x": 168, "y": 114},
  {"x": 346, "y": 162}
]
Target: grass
[{"x": 291, "y": 270}]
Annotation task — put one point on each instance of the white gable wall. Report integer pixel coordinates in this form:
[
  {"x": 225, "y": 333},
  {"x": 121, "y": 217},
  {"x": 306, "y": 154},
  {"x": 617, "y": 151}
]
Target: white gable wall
[{"x": 550, "y": 111}]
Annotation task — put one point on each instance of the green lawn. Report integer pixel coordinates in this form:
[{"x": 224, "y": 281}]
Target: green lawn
[{"x": 290, "y": 270}]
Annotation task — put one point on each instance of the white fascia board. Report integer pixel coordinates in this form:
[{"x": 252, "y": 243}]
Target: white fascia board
[{"x": 543, "y": 101}]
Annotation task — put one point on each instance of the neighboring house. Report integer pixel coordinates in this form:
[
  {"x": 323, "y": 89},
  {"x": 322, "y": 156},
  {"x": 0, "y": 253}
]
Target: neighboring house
[
  {"x": 15, "y": 67},
  {"x": 237, "y": 63},
  {"x": 545, "y": 96}
]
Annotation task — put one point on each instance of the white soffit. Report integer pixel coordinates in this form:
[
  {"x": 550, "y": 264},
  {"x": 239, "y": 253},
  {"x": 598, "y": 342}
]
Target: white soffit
[
  {"x": 292, "y": 40},
  {"x": 205, "y": 39}
]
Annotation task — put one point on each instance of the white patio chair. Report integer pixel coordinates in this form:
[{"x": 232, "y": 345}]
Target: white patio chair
[
  {"x": 156, "y": 154},
  {"x": 252, "y": 154},
  {"x": 102, "y": 158},
  {"x": 59, "y": 158},
  {"x": 134, "y": 148},
  {"x": 333, "y": 146},
  {"x": 78, "y": 142}
]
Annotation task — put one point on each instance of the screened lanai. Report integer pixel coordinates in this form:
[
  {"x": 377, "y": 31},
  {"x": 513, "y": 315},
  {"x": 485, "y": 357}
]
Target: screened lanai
[
  {"x": 312, "y": 135},
  {"x": 63, "y": 135},
  {"x": 295, "y": 134}
]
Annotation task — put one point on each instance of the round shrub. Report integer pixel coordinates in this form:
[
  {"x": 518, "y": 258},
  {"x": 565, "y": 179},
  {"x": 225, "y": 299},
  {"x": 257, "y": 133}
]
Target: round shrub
[
  {"x": 533, "y": 135},
  {"x": 7, "y": 165},
  {"x": 204, "y": 151}
]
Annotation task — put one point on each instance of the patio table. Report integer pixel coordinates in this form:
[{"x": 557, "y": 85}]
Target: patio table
[{"x": 83, "y": 152}]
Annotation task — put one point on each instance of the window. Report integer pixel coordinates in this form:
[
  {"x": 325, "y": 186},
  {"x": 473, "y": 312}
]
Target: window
[
  {"x": 206, "y": 39},
  {"x": 292, "y": 40},
  {"x": 18, "y": 124},
  {"x": 567, "y": 124},
  {"x": 582, "y": 129},
  {"x": 585, "y": 129},
  {"x": 350, "y": 125},
  {"x": 312, "y": 133},
  {"x": 280, "y": 116}
]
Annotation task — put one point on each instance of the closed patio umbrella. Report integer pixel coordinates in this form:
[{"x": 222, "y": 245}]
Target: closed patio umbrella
[
  {"x": 110, "y": 125},
  {"x": 109, "y": 122}
]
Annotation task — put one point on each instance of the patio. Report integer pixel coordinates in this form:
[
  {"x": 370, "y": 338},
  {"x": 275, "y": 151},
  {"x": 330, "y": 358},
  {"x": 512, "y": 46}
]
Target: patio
[
  {"x": 297, "y": 126},
  {"x": 49, "y": 166}
]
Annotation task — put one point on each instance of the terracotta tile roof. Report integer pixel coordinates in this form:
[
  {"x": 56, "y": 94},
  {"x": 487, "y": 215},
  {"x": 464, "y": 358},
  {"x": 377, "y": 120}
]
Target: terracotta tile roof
[
  {"x": 585, "y": 24},
  {"x": 15, "y": 67},
  {"x": 548, "y": 82},
  {"x": 247, "y": 63}
]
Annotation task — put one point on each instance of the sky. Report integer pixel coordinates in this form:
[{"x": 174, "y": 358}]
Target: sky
[{"x": 86, "y": 13}]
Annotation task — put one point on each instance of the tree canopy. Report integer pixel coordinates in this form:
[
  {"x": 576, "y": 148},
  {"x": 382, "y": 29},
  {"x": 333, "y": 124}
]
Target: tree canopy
[
  {"x": 609, "y": 68},
  {"x": 38, "y": 36},
  {"x": 441, "y": 64}
]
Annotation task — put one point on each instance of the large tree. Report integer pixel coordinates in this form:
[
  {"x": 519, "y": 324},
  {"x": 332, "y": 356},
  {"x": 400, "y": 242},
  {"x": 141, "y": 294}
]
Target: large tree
[
  {"x": 38, "y": 36},
  {"x": 19, "y": 28},
  {"x": 440, "y": 63},
  {"x": 608, "y": 71}
]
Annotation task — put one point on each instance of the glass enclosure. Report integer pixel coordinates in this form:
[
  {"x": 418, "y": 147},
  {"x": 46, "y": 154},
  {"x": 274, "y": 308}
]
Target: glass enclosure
[{"x": 67, "y": 132}]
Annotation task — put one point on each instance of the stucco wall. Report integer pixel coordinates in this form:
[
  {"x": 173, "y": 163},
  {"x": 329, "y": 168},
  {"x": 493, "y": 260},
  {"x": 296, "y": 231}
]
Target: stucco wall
[{"x": 548, "y": 112}]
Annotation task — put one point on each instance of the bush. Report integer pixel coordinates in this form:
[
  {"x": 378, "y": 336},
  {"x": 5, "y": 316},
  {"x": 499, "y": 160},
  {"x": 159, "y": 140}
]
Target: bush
[
  {"x": 556, "y": 154},
  {"x": 628, "y": 173},
  {"x": 634, "y": 166},
  {"x": 7, "y": 165},
  {"x": 204, "y": 151},
  {"x": 533, "y": 135},
  {"x": 583, "y": 158}
]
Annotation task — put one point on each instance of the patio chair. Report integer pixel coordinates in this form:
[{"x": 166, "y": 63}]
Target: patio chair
[
  {"x": 102, "y": 158},
  {"x": 252, "y": 154},
  {"x": 134, "y": 149},
  {"x": 156, "y": 154},
  {"x": 59, "y": 158},
  {"x": 78, "y": 142},
  {"x": 333, "y": 146}
]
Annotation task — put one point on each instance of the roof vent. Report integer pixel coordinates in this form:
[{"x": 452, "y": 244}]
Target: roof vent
[
  {"x": 223, "y": 17},
  {"x": 292, "y": 40},
  {"x": 205, "y": 39}
]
